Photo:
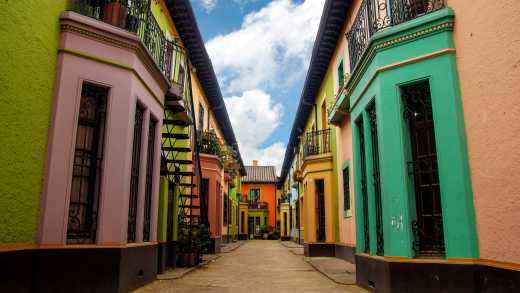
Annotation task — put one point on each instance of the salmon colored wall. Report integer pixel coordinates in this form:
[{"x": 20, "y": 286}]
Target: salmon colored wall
[
  {"x": 347, "y": 226},
  {"x": 267, "y": 194},
  {"x": 488, "y": 62},
  {"x": 212, "y": 170},
  {"x": 343, "y": 132}
]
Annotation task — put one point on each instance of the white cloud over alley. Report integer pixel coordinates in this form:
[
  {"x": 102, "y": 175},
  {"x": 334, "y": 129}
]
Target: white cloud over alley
[{"x": 268, "y": 54}]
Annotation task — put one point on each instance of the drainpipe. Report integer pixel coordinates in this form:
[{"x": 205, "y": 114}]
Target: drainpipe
[
  {"x": 299, "y": 213},
  {"x": 227, "y": 216}
]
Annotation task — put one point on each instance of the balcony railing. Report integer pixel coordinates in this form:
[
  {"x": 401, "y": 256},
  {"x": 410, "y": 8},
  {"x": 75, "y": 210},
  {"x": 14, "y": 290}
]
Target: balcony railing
[
  {"x": 136, "y": 16},
  {"x": 258, "y": 205},
  {"x": 316, "y": 143},
  {"x": 209, "y": 143},
  {"x": 375, "y": 15}
]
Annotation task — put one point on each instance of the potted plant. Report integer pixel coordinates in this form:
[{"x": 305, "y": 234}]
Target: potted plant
[
  {"x": 192, "y": 248},
  {"x": 116, "y": 13},
  {"x": 186, "y": 256},
  {"x": 265, "y": 229}
]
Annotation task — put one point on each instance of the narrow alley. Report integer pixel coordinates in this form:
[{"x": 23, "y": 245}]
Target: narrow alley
[
  {"x": 259, "y": 146},
  {"x": 259, "y": 266}
]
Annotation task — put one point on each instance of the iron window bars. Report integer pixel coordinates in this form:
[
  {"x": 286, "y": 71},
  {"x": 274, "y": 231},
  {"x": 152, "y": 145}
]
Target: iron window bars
[
  {"x": 87, "y": 166},
  {"x": 428, "y": 228},
  {"x": 375, "y": 15},
  {"x": 376, "y": 177},
  {"x": 364, "y": 195},
  {"x": 134, "y": 175},
  {"x": 346, "y": 189},
  {"x": 149, "y": 180}
]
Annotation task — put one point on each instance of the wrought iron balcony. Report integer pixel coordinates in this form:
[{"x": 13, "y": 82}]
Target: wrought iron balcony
[
  {"x": 209, "y": 143},
  {"x": 136, "y": 16},
  {"x": 258, "y": 205},
  {"x": 375, "y": 15},
  {"x": 316, "y": 143}
]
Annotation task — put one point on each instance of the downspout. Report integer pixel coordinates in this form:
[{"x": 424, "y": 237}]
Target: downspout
[
  {"x": 227, "y": 216},
  {"x": 299, "y": 213}
]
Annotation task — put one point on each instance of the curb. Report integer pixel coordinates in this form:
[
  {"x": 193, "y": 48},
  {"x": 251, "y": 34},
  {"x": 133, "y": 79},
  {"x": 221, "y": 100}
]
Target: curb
[
  {"x": 189, "y": 270},
  {"x": 234, "y": 248},
  {"x": 326, "y": 275}
]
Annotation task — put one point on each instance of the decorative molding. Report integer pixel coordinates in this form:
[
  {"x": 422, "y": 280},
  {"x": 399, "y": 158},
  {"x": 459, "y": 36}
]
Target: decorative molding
[
  {"x": 370, "y": 53},
  {"x": 395, "y": 65},
  {"x": 75, "y": 23}
]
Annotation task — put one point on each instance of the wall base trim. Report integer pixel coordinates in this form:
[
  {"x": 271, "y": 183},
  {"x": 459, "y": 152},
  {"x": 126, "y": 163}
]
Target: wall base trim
[
  {"x": 381, "y": 275},
  {"x": 78, "y": 270}
]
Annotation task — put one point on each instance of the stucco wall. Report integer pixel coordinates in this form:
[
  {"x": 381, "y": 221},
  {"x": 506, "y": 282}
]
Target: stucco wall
[
  {"x": 347, "y": 225},
  {"x": 488, "y": 62},
  {"x": 29, "y": 42},
  {"x": 267, "y": 194},
  {"x": 343, "y": 133}
]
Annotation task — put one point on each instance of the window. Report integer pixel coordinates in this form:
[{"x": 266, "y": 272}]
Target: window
[
  {"x": 324, "y": 121},
  {"x": 346, "y": 192},
  {"x": 363, "y": 180},
  {"x": 149, "y": 180},
  {"x": 375, "y": 173},
  {"x": 87, "y": 166},
  {"x": 134, "y": 174},
  {"x": 226, "y": 208},
  {"x": 242, "y": 223},
  {"x": 201, "y": 117},
  {"x": 341, "y": 74},
  {"x": 254, "y": 195}
]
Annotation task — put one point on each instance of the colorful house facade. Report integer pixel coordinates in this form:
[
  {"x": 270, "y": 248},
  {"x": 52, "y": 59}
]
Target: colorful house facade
[
  {"x": 118, "y": 114},
  {"x": 259, "y": 193},
  {"x": 311, "y": 154},
  {"x": 408, "y": 105}
]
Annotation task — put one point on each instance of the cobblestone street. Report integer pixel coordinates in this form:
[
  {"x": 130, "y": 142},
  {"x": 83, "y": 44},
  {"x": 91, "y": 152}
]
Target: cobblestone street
[{"x": 256, "y": 266}]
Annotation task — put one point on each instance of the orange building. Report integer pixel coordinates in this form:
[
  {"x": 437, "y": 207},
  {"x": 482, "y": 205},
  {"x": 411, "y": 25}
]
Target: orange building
[{"x": 259, "y": 191}]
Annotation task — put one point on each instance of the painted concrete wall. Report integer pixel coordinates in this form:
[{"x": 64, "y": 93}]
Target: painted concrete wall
[
  {"x": 396, "y": 185},
  {"x": 489, "y": 68},
  {"x": 212, "y": 170},
  {"x": 347, "y": 224},
  {"x": 267, "y": 194},
  {"x": 343, "y": 133},
  {"x": 83, "y": 59},
  {"x": 30, "y": 36},
  {"x": 319, "y": 168},
  {"x": 325, "y": 97}
]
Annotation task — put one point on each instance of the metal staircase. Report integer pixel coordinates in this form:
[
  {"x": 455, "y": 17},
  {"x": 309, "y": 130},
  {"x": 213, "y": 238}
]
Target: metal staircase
[{"x": 180, "y": 157}]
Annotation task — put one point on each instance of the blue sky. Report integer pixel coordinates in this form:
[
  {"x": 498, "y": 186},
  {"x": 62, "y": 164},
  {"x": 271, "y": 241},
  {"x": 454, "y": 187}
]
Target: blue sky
[{"x": 260, "y": 50}]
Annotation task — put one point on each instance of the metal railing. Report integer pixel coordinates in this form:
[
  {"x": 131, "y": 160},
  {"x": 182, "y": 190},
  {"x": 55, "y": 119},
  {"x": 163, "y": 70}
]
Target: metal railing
[
  {"x": 375, "y": 15},
  {"x": 136, "y": 16},
  {"x": 317, "y": 142},
  {"x": 209, "y": 143},
  {"x": 258, "y": 205}
]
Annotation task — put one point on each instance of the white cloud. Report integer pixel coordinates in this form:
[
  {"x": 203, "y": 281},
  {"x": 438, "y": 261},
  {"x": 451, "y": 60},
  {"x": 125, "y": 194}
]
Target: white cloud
[
  {"x": 270, "y": 50},
  {"x": 208, "y": 5},
  {"x": 254, "y": 117}
]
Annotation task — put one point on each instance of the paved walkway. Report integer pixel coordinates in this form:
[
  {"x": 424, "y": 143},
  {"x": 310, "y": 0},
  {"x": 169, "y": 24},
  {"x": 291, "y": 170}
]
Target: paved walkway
[{"x": 256, "y": 266}]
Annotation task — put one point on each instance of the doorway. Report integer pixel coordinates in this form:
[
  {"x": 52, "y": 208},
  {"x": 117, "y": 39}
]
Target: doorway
[{"x": 320, "y": 210}]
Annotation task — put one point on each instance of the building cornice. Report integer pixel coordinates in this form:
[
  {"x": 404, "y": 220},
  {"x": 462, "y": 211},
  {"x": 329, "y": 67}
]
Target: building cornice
[{"x": 437, "y": 22}]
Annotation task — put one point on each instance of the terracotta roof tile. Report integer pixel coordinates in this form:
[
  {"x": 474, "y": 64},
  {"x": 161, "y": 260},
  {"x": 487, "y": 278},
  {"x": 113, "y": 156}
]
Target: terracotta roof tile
[{"x": 260, "y": 174}]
